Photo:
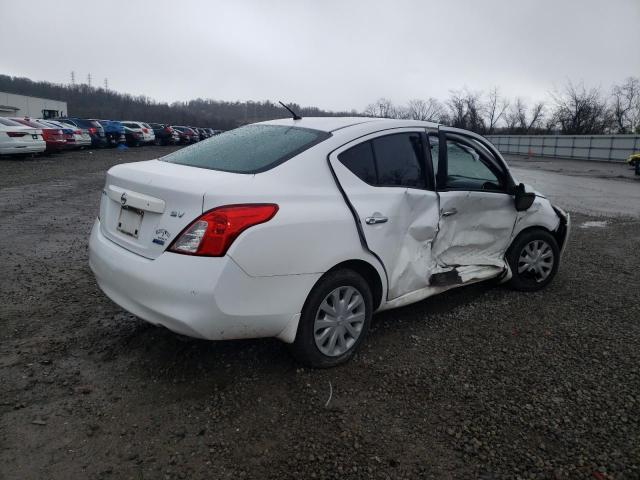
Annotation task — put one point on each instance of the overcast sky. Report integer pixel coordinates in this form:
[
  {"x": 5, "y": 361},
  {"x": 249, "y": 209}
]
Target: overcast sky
[{"x": 334, "y": 54}]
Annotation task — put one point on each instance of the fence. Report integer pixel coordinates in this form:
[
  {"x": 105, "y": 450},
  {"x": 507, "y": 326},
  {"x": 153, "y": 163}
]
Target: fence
[{"x": 609, "y": 148}]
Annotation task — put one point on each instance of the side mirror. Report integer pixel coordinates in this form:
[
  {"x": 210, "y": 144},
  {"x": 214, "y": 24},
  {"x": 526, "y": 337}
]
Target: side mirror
[{"x": 523, "y": 199}]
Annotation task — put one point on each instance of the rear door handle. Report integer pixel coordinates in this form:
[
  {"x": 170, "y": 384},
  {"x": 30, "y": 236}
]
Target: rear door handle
[
  {"x": 448, "y": 213},
  {"x": 375, "y": 220}
]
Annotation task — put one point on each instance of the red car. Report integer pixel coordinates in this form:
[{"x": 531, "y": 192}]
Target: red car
[{"x": 54, "y": 137}]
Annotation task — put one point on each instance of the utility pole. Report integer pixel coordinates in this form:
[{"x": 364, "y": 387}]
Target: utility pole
[
  {"x": 89, "y": 79},
  {"x": 106, "y": 83},
  {"x": 73, "y": 78}
]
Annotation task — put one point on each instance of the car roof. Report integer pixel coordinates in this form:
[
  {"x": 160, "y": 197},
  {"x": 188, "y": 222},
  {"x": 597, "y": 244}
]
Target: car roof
[{"x": 330, "y": 124}]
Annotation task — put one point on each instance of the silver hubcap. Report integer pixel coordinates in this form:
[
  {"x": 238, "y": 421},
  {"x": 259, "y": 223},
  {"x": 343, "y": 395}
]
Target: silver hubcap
[
  {"x": 339, "y": 321},
  {"x": 536, "y": 259}
]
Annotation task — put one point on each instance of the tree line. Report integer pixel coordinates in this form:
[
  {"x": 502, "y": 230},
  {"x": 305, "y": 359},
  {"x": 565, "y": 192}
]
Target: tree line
[
  {"x": 90, "y": 102},
  {"x": 573, "y": 110}
]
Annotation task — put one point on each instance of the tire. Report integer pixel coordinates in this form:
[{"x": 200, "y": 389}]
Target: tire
[
  {"x": 313, "y": 343},
  {"x": 534, "y": 258}
]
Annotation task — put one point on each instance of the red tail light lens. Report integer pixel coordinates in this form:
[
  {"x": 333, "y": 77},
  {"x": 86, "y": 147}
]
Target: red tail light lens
[
  {"x": 212, "y": 234},
  {"x": 92, "y": 130},
  {"x": 16, "y": 134}
]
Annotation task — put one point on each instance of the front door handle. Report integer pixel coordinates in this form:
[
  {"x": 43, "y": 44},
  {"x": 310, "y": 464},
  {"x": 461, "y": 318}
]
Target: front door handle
[
  {"x": 448, "y": 213},
  {"x": 375, "y": 220}
]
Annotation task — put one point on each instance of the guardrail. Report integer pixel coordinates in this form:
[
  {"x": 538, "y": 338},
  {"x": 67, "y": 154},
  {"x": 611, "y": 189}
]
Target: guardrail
[{"x": 608, "y": 148}]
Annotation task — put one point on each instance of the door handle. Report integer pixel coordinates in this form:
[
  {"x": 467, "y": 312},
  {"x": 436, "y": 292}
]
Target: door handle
[
  {"x": 375, "y": 220},
  {"x": 448, "y": 213}
]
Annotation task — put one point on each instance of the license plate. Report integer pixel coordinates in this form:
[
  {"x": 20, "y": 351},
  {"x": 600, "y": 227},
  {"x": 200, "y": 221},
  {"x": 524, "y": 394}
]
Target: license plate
[
  {"x": 129, "y": 221},
  {"x": 34, "y": 136}
]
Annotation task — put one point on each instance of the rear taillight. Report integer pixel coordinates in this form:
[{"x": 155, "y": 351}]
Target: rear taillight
[
  {"x": 16, "y": 134},
  {"x": 145, "y": 130},
  {"x": 212, "y": 234},
  {"x": 92, "y": 130},
  {"x": 78, "y": 132},
  {"x": 167, "y": 129}
]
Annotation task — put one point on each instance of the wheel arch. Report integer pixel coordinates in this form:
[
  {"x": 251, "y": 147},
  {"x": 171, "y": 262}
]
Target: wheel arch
[{"x": 370, "y": 275}]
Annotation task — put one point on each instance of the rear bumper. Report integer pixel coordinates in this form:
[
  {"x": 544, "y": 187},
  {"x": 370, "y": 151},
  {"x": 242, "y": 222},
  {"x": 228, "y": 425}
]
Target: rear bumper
[
  {"x": 210, "y": 298},
  {"x": 22, "y": 149}
]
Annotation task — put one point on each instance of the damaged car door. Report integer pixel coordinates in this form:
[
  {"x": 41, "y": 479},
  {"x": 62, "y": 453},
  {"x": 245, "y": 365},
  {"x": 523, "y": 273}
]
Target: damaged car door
[
  {"x": 477, "y": 211},
  {"x": 392, "y": 195}
]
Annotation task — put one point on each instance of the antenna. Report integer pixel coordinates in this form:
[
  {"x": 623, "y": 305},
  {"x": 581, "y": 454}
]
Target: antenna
[
  {"x": 89, "y": 80},
  {"x": 294, "y": 114},
  {"x": 106, "y": 83},
  {"x": 73, "y": 77}
]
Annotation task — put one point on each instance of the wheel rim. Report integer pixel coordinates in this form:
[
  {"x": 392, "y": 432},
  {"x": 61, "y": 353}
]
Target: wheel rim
[
  {"x": 339, "y": 321},
  {"x": 536, "y": 260}
]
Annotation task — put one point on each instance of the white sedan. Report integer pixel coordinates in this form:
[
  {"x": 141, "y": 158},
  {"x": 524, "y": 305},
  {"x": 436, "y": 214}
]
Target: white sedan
[
  {"x": 300, "y": 229},
  {"x": 18, "y": 139},
  {"x": 144, "y": 128}
]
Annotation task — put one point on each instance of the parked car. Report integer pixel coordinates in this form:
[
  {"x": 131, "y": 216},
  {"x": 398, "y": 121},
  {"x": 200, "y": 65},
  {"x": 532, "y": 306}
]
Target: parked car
[
  {"x": 114, "y": 132},
  {"x": 301, "y": 229},
  {"x": 134, "y": 136},
  {"x": 164, "y": 134},
  {"x": 146, "y": 130},
  {"x": 189, "y": 133},
  {"x": 75, "y": 136},
  {"x": 54, "y": 137},
  {"x": 93, "y": 128},
  {"x": 18, "y": 139},
  {"x": 202, "y": 133}
]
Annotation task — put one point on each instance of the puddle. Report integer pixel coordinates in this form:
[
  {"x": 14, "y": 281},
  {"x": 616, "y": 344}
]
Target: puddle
[{"x": 594, "y": 224}]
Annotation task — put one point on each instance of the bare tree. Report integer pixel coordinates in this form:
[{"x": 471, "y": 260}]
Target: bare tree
[
  {"x": 457, "y": 109},
  {"x": 580, "y": 111},
  {"x": 383, "y": 108},
  {"x": 626, "y": 105},
  {"x": 429, "y": 110},
  {"x": 495, "y": 109},
  {"x": 521, "y": 119},
  {"x": 466, "y": 110}
]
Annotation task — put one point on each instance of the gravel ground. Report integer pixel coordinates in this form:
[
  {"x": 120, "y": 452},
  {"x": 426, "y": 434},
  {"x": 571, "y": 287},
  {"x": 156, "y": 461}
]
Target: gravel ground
[{"x": 481, "y": 382}]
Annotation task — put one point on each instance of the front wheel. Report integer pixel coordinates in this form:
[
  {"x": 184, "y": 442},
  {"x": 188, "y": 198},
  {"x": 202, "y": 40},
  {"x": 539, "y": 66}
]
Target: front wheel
[
  {"x": 533, "y": 258},
  {"x": 334, "y": 321}
]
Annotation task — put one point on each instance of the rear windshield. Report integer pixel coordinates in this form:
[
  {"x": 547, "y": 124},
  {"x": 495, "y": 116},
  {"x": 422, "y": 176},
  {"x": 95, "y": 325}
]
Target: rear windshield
[
  {"x": 250, "y": 149},
  {"x": 9, "y": 123}
]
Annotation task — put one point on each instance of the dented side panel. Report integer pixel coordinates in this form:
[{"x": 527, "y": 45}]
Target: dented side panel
[{"x": 479, "y": 231}]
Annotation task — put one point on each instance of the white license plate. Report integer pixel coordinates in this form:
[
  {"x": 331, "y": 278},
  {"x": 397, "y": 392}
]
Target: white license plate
[{"x": 129, "y": 221}]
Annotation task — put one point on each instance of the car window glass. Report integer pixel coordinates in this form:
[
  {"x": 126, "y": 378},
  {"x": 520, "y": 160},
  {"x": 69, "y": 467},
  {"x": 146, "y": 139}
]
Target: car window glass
[
  {"x": 434, "y": 144},
  {"x": 359, "y": 160},
  {"x": 398, "y": 160},
  {"x": 466, "y": 170},
  {"x": 249, "y": 149}
]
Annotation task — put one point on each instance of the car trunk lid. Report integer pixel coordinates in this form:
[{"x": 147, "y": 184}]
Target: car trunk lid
[{"x": 145, "y": 205}]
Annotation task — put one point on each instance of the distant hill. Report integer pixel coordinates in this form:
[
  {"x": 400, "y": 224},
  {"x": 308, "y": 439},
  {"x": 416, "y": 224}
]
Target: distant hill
[{"x": 91, "y": 102}]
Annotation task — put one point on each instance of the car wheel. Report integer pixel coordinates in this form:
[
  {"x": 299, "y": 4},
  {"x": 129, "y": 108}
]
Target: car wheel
[
  {"x": 334, "y": 321},
  {"x": 533, "y": 258}
]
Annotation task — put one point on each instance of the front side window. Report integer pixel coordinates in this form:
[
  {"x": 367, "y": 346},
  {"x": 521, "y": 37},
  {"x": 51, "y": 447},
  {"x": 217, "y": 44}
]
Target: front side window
[
  {"x": 467, "y": 171},
  {"x": 249, "y": 149}
]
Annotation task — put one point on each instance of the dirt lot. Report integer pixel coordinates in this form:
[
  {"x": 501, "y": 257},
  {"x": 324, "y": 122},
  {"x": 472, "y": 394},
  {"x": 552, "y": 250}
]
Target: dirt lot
[{"x": 482, "y": 382}]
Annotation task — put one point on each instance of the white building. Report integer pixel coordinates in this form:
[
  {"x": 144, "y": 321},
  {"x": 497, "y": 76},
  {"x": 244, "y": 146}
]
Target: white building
[{"x": 12, "y": 105}]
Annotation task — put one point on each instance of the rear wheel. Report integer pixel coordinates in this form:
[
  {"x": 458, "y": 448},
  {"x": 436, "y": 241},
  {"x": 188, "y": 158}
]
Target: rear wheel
[
  {"x": 533, "y": 258},
  {"x": 334, "y": 321}
]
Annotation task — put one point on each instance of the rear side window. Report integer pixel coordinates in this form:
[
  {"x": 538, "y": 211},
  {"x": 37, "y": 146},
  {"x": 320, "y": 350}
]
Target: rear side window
[
  {"x": 359, "y": 160},
  {"x": 393, "y": 160},
  {"x": 399, "y": 160},
  {"x": 250, "y": 149}
]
